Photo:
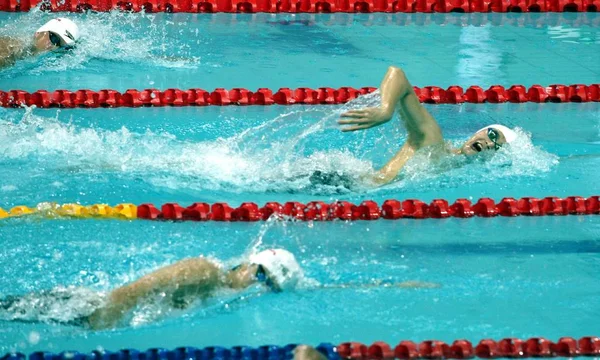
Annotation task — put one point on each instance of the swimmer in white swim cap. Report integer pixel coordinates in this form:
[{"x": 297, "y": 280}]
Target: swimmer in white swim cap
[
  {"x": 491, "y": 137},
  {"x": 55, "y": 34},
  {"x": 180, "y": 284},
  {"x": 59, "y": 33},
  {"x": 423, "y": 131},
  {"x": 280, "y": 267}
]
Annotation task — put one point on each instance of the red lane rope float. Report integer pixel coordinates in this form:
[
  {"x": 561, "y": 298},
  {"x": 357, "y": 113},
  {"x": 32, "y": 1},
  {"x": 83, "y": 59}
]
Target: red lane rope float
[
  {"x": 540, "y": 20},
  {"x": 306, "y": 6},
  {"x": 463, "y": 349},
  {"x": 370, "y": 210},
  {"x": 287, "y": 96},
  {"x": 321, "y": 211}
]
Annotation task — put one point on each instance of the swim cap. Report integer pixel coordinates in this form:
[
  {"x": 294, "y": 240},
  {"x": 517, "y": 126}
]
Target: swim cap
[
  {"x": 509, "y": 134},
  {"x": 282, "y": 266},
  {"x": 66, "y": 29}
]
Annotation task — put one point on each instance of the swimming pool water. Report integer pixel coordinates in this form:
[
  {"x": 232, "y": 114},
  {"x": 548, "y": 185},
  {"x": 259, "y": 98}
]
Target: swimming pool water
[
  {"x": 124, "y": 51},
  {"x": 499, "y": 277}
]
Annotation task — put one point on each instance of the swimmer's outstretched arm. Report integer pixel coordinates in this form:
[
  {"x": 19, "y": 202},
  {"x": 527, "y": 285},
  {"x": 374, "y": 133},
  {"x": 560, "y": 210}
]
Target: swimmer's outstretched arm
[
  {"x": 380, "y": 283},
  {"x": 397, "y": 93},
  {"x": 200, "y": 273}
]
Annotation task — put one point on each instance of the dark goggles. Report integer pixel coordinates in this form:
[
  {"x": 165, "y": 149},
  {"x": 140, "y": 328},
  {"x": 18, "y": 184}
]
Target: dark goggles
[
  {"x": 261, "y": 276},
  {"x": 54, "y": 39},
  {"x": 494, "y": 136}
]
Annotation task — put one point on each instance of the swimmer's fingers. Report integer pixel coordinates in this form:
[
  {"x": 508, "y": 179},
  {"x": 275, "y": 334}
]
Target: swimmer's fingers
[
  {"x": 357, "y": 124},
  {"x": 356, "y": 127},
  {"x": 357, "y": 121}
]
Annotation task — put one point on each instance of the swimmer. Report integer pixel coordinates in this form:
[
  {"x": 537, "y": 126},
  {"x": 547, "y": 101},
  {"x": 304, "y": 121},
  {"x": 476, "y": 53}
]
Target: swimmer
[
  {"x": 183, "y": 283},
  {"x": 56, "y": 34},
  {"x": 423, "y": 130}
]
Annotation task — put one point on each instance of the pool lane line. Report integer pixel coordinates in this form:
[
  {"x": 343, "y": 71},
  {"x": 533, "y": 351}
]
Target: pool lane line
[
  {"x": 379, "y": 350},
  {"x": 305, "y": 6},
  {"x": 285, "y": 96},
  {"x": 321, "y": 211}
]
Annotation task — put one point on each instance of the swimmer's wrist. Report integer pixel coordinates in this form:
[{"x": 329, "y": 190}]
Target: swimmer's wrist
[{"x": 387, "y": 111}]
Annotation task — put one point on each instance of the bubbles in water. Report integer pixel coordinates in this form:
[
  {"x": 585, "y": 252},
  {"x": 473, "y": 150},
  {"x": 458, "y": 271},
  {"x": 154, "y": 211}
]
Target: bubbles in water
[
  {"x": 8, "y": 188},
  {"x": 61, "y": 304},
  {"x": 106, "y": 36},
  {"x": 33, "y": 338}
]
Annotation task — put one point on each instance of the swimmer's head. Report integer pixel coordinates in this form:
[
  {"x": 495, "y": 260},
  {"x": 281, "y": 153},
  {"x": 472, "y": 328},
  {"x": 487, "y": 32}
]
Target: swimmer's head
[
  {"x": 59, "y": 33},
  {"x": 281, "y": 268},
  {"x": 276, "y": 268},
  {"x": 242, "y": 276},
  {"x": 491, "y": 137}
]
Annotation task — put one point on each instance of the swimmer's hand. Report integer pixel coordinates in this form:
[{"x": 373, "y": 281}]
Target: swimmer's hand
[
  {"x": 365, "y": 118},
  {"x": 105, "y": 317}
]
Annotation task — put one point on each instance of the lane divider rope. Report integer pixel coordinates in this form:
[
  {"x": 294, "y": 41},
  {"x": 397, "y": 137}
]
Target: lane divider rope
[
  {"x": 405, "y": 350},
  {"x": 321, "y": 211},
  {"x": 536, "y": 20},
  {"x": 305, "y": 6},
  {"x": 463, "y": 349},
  {"x": 287, "y": 96}
]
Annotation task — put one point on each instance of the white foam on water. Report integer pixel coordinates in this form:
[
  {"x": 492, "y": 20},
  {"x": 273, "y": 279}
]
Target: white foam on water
[
  {"x": 111, "y": 36},
  {"x": 272, "y": 157},
  {"x": 61, "y": 304}
]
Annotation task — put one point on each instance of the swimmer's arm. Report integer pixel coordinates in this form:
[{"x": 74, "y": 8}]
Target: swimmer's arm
[
  {"x": 422, "y": 129},
  {"x": 392, "y": 89},
  {"x": 397, "y": 92},
  {"x": 194, "y": 271},
  {"x": 384, "y": 284}
]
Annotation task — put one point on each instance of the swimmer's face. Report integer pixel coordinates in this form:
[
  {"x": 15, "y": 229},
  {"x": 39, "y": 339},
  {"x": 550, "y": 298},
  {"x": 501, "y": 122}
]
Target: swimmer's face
[
  {"x": 242, "y": 276},
  {"x": 46, "y": 41},
  {"x": 483, "y": 140}
]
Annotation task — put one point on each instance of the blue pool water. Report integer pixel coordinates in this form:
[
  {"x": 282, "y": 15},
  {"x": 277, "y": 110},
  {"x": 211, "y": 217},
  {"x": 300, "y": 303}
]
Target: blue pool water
[{"x": 499, "y": 277}]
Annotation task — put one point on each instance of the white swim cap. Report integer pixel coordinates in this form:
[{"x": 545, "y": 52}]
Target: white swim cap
[
  {"x": 66, "y": 29},
  {"x": 282, "y": 266},
  {"x": 509, "y": 134}
]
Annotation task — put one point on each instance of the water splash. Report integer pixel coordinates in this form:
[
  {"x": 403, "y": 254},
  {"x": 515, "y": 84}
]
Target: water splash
[
  {"x": 59, "y": 305},
  {"x": 277, "y": 156},
  {"x": 103, "y": 38}
]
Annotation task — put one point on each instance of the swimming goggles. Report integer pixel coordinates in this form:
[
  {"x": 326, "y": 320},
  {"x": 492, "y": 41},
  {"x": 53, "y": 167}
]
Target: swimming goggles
[
  {"x": 54, "y": 39},
  {"x": 494, "y": 136},
  {"x": 261, "y": 276}
]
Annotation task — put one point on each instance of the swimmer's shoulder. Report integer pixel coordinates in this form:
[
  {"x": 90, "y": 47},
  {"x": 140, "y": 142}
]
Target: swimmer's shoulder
[
  {"x": 436, "y": 150},
  {"x": 11, "y": 44},
  {"x": 10, "y": 50},
  {"x": 200, "y": 263}
]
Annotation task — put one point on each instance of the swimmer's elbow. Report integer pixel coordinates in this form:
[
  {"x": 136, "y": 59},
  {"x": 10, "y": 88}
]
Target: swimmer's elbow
[{"x": 397, "y": 71}]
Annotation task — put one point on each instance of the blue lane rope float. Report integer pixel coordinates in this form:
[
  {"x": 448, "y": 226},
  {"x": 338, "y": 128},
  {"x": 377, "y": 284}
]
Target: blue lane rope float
[
  {"x": 379, "y": 350},
  {"x": 320, "y": 211}
]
